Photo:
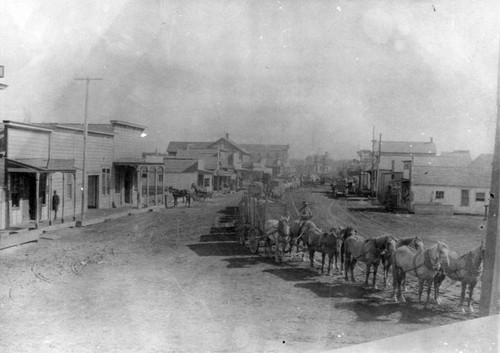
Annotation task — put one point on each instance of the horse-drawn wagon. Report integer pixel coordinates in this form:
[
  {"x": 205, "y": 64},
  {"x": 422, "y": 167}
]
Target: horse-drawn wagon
[{"x": 261, "y": 222}]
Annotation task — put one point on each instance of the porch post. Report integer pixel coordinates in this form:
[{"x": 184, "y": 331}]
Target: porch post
[
  {"x": 147, "y": 187},
  {"x": 49, "y": 200},
  {"x": 139, "y": 187},
  {"x": 74, "y": 196},
  {"x": 37, "y": 199},
  {"x": 156, "y": 186},
  {"x": 163, "y": 186},
  {"x": 62, "y": 196}
]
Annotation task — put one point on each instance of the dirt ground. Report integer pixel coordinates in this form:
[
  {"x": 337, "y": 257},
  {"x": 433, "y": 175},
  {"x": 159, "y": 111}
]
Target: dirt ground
[{"x": 172, "y": 281}]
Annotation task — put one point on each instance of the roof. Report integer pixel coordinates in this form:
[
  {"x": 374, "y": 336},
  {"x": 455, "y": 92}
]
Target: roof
[
  {"x": 174, "y": 165},
  {"x": 265, "y": 147},
  {"x": 450, "y": 176},
  {"x": 482, "y": 162},
  {"x": 446, "y": 159},
  {"x": 136, "y": 161},
  {"x": 41, "y": 165},
  {"x": 174, "y": 146},
  {"x": 232, "y": 143},
  {"x": 407, "y": 147}
]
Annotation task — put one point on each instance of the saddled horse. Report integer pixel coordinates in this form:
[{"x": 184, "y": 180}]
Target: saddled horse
[
  {"x": 466, "y": 268},
  {"x": 318, "y": 241},
  {"x": 369, "y": 251},
  {"x": 412, "y": 242},
  {"x": 277, "y": 233},
  {"x": 423, "y": 264},
  {"x": 184, "y": 194}
]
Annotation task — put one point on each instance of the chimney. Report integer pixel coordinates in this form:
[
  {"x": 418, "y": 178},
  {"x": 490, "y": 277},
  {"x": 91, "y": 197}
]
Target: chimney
[{"x": 227, "y": 136}]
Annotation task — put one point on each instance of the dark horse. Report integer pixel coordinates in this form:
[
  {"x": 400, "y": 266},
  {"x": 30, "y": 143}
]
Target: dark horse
[
  {"x": 466, "y": 268},
  {"x": 369, "y": 251},
  {"x": 184, "y": 194}
]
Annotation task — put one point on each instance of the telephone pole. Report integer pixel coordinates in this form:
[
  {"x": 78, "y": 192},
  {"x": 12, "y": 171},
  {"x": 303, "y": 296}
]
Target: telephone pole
[
  {"x": 85, "y": 132},
  {"x": 488, "y": 304}
]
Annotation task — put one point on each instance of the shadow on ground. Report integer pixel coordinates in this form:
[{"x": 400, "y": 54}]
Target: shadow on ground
[
  {"x": 219, "y": 249},
  {"x": 405, "y": 313}
]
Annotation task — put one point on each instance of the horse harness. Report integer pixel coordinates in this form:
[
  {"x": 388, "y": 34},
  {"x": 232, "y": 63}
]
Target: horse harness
[{"x": 427, "y": 263}]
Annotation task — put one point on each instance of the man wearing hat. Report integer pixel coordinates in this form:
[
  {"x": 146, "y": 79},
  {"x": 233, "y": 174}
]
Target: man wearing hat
[{"x": 305, "y": 215}]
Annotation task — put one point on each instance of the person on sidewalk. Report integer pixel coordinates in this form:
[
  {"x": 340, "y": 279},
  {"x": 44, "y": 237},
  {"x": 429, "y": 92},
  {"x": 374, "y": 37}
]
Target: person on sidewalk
[{"x": 55, "y": 204}]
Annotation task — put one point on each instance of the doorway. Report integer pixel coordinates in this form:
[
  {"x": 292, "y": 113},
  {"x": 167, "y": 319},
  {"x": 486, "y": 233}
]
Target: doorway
[{"x": 93, "y": 192}]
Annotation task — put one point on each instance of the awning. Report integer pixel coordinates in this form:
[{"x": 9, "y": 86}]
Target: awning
[
  {"x": 40, "y": 165},
  {"x": 136, "y": 163}
]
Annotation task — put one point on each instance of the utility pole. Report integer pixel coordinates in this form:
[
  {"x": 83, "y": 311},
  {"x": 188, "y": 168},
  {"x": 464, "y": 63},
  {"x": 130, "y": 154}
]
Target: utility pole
[
  {"x": 488, "y": 304},
  {"x": 372, "y": 181},
  {"x": 85, "y": 132}
]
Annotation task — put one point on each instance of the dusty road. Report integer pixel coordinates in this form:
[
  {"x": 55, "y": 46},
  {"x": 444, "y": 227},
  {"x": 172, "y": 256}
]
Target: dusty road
[{"x": 168, "y": 281}]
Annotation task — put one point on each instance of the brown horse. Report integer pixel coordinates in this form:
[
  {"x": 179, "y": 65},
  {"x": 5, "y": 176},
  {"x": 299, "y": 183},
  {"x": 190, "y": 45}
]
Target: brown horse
[
  {"x": 422, "y": 264},
  {"x": 412, "y": 242},
  {"x": 184, "y": 194},
  {"x": 368, "y": 251},
  {"x": 277, "y": 233},
  {"x": 318, "y": 241},
  {"x": 466, "y": 268}
]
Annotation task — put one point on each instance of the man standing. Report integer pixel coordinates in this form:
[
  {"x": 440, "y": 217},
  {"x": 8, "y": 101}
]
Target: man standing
[{"x": 55, "y": 204}]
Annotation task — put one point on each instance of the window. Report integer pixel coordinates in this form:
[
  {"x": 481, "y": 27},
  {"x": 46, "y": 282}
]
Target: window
[
  {"x": 15, "y": 192},
  {"x": 480, "y": 196},
  {"x": 106, "y": 181},
  {"x": 439, "y": 194},
  {"x": 465, "y": 198}
]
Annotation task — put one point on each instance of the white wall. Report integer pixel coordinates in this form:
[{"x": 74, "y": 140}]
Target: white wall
[{"x": 452, "y": 196}]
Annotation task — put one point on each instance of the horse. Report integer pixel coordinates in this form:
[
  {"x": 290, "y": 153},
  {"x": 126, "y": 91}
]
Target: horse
[
  {"x": 200, "y": 192},
  {"x": 423, "y": 264},
  {"x": 466, "y": 268},
  {"x": 185, "y": 194},
  {"x": 318, "y": 241},
  {"x": 277, "y": 233},
  {"x": 369, "y": 251},
  {"x": 412, "y": 242},
  {"x": 343, "y": 234}
]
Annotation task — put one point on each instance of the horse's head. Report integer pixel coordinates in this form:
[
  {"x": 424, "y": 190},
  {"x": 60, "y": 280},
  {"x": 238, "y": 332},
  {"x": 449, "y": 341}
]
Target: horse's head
[
  {"x": 417, "y": 243},
  {"x": 440, "y": 255},
  {"x": 348, "y": 232}
]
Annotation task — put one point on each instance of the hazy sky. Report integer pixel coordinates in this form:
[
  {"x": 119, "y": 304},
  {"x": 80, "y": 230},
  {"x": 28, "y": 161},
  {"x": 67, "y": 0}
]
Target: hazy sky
[{"x": 318, "y": 75}]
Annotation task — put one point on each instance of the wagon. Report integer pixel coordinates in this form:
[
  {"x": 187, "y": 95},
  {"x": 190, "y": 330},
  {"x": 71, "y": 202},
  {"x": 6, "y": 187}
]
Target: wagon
[{"x": 254, "y": 211}]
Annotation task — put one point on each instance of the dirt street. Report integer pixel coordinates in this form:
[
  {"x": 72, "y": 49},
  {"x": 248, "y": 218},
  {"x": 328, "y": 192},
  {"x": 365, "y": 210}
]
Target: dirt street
[{"x": 169, "y": 281}]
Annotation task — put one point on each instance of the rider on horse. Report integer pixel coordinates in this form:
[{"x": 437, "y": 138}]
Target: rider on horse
[{"x": 305, "y": 214}]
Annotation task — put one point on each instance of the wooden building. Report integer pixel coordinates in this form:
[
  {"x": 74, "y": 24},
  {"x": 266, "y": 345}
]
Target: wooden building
[{"x": 38, "y": 159}]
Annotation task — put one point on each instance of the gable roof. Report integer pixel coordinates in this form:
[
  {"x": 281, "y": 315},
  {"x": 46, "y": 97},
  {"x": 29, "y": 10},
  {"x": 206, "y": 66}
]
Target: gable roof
[
  {"x": 232, "y": 143},
  {"x": 174, "y": 146},
  {"x": 482, "y": 162},
  {"x": 407, "y": 147},
  {"x": 450, "y": 176}
]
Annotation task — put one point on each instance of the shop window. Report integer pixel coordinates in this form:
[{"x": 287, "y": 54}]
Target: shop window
[
  {"x": 439, "y": 194},
  {"x": 480, "y": 196}
]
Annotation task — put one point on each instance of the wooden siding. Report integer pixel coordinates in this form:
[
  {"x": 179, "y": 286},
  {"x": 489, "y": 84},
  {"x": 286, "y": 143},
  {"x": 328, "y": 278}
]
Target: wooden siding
[
  {"x": 27, "y": 144},
  {"x": 128, "y": 143},
  {"x": 452, "y": 196}
]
